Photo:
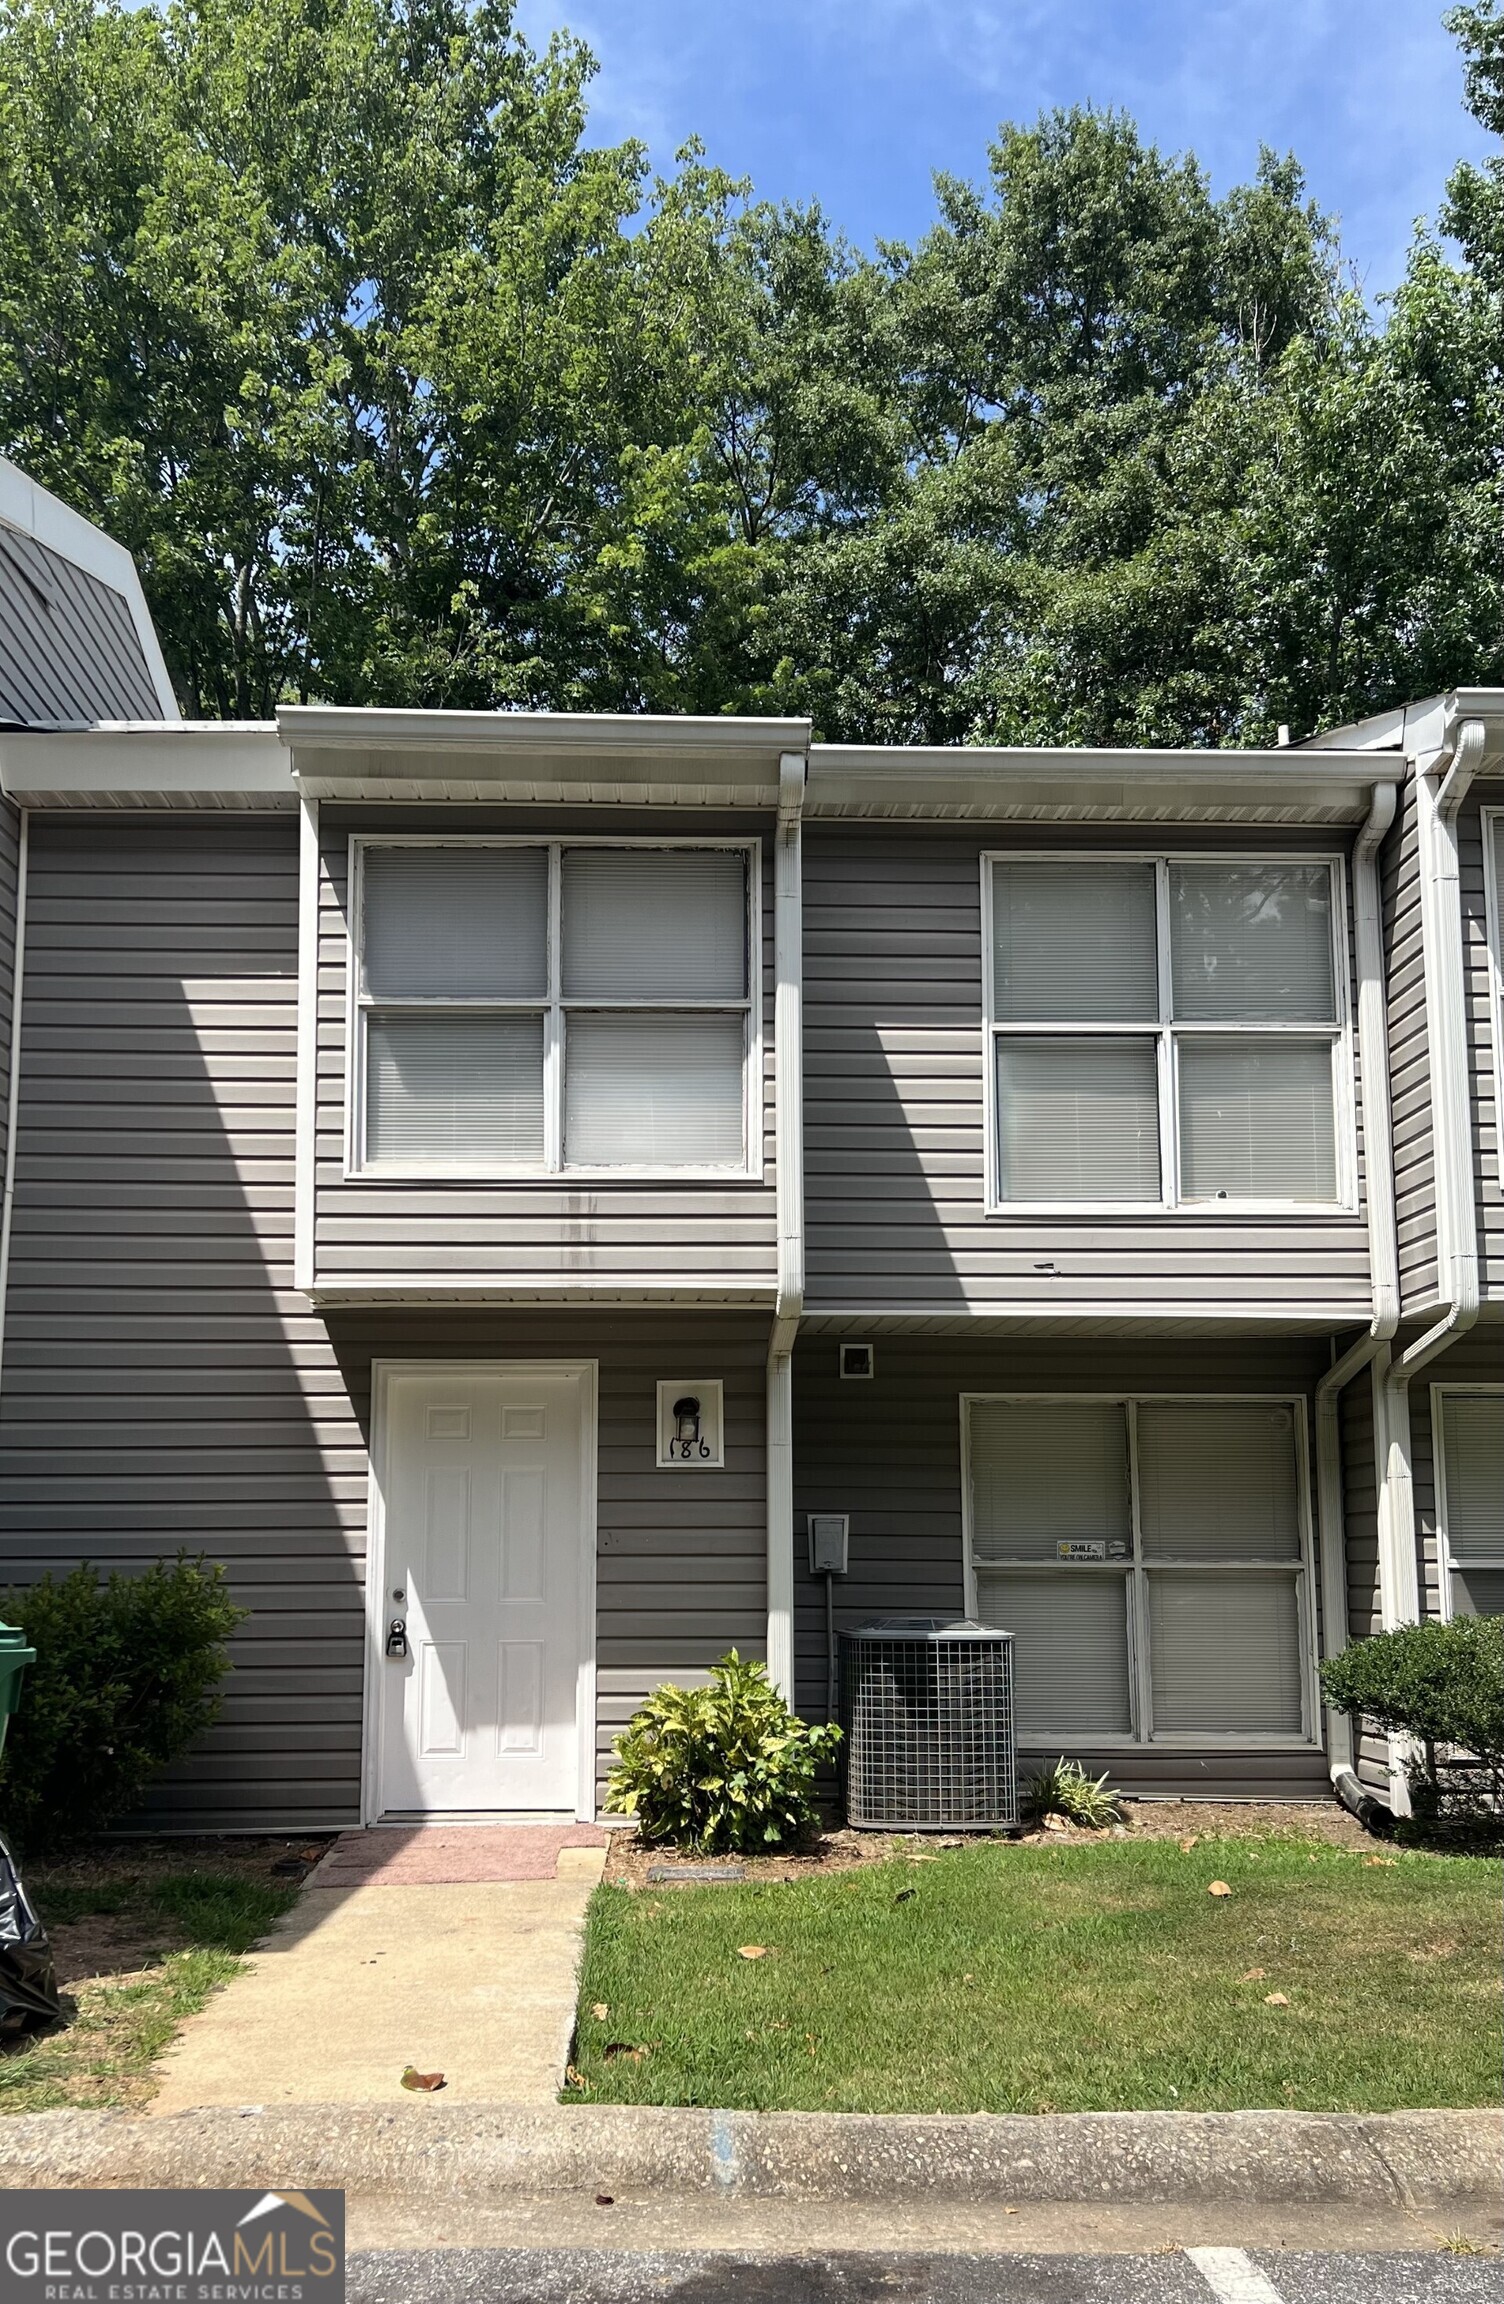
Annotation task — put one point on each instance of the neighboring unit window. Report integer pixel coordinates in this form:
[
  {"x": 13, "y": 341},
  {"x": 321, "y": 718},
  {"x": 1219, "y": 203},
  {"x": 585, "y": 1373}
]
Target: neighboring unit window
[
  {"x": 1164, "y": 1032},
  {"x": 484, "y": 1047},
  {"x": 1147, "y": 1557},
  {"x": 1470, "y": 1460}
]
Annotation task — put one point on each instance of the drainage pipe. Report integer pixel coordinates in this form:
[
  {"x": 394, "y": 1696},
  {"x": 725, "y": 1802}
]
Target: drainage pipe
[
  {"x": 1383, "y": 1254},
  {"x": 1441, "y": 786}
]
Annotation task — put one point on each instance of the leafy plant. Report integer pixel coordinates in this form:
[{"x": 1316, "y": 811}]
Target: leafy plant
[
  {"x": 1443, "y": 1686},
  {"x": 126, "y": 1678},
  {"x": 718, "y": 1768},
  {"x": 1065, "y": 1789}
]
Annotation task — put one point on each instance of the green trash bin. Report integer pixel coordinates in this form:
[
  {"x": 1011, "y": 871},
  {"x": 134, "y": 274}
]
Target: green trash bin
[{"x": 14, "y": 1658}]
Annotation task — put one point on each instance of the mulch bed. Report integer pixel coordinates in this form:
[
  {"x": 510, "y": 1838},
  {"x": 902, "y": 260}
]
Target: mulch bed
[{"x": 628, "y": 1862}]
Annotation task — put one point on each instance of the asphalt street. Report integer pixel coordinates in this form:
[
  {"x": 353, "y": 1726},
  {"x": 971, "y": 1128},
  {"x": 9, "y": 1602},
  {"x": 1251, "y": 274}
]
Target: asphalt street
[{"x": 1204, "y": 2276}]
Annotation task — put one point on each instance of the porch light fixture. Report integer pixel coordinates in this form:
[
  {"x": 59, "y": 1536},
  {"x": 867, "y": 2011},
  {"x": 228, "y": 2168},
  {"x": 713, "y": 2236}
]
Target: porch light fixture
[
  {"x": 858, "y": 1361},
  {"x": 691, "y": 1424}
]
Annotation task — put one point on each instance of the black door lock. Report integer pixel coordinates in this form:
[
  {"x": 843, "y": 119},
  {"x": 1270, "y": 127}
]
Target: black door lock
[{"x": 396, "y": 1636}]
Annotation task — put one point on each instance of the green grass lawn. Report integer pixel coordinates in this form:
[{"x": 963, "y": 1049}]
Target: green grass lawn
[
  {"x": 1098, "y": 1976},
  {"x": 169, "y": 1939}
]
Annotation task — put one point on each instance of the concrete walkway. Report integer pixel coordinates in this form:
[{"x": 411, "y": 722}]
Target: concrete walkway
[{"x": 455, "y": 1951}]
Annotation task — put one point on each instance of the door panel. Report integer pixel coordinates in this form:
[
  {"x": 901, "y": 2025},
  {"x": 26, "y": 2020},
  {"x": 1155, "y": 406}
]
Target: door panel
[{"x": 482, "y": 1538}]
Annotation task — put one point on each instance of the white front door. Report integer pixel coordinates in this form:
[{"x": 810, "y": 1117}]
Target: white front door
[{"x": 481, "y": 1562}]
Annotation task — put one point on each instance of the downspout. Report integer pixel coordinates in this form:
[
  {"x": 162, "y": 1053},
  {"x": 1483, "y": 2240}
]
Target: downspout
[
  {"x": 13, "y": 1092},
  {"x": 1440, "y": 790},
  {"x": 788, "y": 1096},
  {"x": 1383, "y": 1258}
]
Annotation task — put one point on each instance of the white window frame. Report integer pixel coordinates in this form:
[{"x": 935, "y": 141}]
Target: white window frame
[
  {"x": 1136, "y": 1572},
  {"x": 1167, "y": 1031},
  {"x": 1446, "y": 1568},
  {"x": 554, "y": 1008},
  {"x": 1491, "y": 820}
]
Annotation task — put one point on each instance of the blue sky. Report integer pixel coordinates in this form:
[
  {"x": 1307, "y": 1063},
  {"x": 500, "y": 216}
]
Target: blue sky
[{"x": 857, "y": 102}]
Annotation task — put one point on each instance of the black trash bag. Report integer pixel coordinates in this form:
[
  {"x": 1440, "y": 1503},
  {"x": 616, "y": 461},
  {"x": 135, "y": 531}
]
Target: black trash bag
[{"x": 28, "y": 1981}]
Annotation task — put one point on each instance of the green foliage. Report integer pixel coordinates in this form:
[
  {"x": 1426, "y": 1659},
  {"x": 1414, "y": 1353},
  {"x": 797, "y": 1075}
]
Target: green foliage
[
  {"x": 1443, "y": 1685},
  {"x": 718, "y": 1768},
  {"x": 402, "y": 392},
  {"x": 126, "y": 1678},
  {"x": 1065, "y": 1789}
]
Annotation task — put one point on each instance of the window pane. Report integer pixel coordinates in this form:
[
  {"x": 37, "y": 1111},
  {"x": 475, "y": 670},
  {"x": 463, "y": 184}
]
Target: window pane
[
  {"x": 1070, "y": 1648},
  {"x": 457, "y": 923},
  {"x": 1252, "y": 942},
  {"x": 1224, "y": 1653},
  {"x": 1218, "y": 1480},
  {"x": 463, "y": 1091},
  {"x": 1472, "y": 1434},
  {"x": 653, "y": 1091},
  {"x": 1256, "y": 1120},
  {"x": 1077, "y": 1120},
  {"x": 1048, "y": 1473},
  {"x": 1074, "y": 943},
  {"x": 1478, "y": 1592},
  {"x": 655, "y": 924}
]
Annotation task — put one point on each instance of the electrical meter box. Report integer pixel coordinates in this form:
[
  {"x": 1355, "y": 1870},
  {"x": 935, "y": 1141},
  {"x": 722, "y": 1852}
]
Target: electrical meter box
[{"x": 828, "y": 1534}]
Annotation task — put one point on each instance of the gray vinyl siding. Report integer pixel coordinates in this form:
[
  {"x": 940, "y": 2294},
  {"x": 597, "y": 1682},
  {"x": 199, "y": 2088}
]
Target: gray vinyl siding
[
  {"x": 516, "y": 1235},
  {"x": 1409, "y": 1063},
  {"x": 894, "y": 1114},
  {"x": 1484, "y": 1061},
  {"x": 681, "y": 1557},
  {"x": 1360, "y": 1503},
  {"x": 889, "y": 1453},
  {"x": 68, "y": 643},
  {"x": 10, "y": 842},
  {"x": 164, "y": 1386}
]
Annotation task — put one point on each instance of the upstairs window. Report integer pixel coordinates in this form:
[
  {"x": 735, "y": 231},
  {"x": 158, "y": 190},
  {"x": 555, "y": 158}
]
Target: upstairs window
[
  {"x": 1166, "y": 1032},
  {"x": 540, "y": 1007}
]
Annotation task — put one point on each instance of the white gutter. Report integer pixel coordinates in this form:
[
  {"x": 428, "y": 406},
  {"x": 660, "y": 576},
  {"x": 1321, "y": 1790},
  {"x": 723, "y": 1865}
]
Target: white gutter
[
  {"x": 13, "y": 1094},
  {"x": 788, "y": 1093},
  {"x": 1441, "y": 785},
  {"x": 1383, "y": 1256},
  {"x": 306, "y": 1123}
]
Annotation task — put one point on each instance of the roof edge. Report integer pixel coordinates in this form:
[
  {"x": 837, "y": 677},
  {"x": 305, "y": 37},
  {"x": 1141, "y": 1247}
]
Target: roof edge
[{"x": 27, "y": 505}]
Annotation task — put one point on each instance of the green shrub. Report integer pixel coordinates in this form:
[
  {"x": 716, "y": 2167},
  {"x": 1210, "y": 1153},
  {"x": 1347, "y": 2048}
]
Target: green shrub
[
  {"x": 1065, "y": 1789},
  {"x": 1443, "y": 1686},
  {"x": 719, "y": 1768},
  {"x": 126, "y": 1678}
]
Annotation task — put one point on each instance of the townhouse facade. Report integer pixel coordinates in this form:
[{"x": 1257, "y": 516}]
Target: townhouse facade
[{"x": 491, "y": 1178}]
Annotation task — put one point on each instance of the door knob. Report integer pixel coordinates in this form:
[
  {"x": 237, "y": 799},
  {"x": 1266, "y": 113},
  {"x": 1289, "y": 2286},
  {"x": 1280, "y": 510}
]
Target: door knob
[{"x": 396, "y": 1636}]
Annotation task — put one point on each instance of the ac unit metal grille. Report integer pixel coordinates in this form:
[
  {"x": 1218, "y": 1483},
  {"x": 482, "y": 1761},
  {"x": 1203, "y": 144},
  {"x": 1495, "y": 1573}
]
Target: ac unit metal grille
[{"x": 928, "y": 1713}]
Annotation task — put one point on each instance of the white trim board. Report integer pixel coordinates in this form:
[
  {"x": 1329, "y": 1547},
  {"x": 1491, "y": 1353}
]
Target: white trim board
[{"x": 587, "y": 1372}]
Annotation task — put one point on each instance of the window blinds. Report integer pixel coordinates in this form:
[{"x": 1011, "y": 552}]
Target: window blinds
[
  {"x": 1070, "y": 1652},
  {"x": 653, "y": 1089},
  {"x": 1046, "y": 1472},
  {"x": 1472, "y": 1436},
  {"x": 1252, "y": 943},
  {"x": 455, "y": 923},
  {"x": 1256, "y": 1120},
  {"x": 1218, "y": 1480},
  {"x": 1078, "y": 1119},
  {"x": 1225, "y": 1653},
  {"x": 654, "y": 924},
  {"x": 1074, "y": 943},
  {"x": 454, "y": 1091}
]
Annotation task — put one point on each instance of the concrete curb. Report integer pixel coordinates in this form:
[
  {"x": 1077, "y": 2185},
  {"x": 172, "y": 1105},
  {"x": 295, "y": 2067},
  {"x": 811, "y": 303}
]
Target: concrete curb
[{"x": 1413, "y": 2160}]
